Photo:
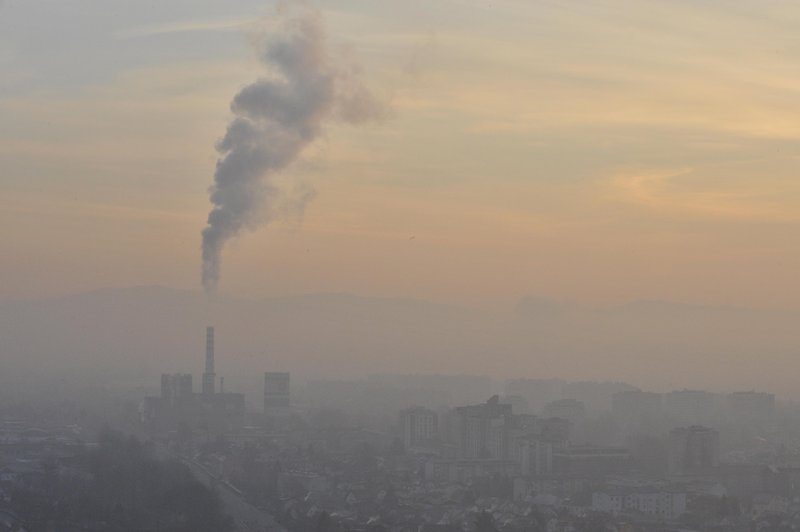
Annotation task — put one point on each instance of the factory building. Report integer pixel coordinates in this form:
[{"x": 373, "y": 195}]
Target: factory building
[{"x": 210, "y": 410}]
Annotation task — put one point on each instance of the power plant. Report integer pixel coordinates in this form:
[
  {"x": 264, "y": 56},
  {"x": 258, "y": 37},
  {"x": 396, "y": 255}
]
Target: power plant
[{"x": 208, "y": 410}]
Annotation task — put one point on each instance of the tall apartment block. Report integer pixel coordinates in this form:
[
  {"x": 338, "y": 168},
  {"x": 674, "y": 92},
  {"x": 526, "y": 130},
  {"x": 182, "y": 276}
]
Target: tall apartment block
[{"x": 276, "y": 390}]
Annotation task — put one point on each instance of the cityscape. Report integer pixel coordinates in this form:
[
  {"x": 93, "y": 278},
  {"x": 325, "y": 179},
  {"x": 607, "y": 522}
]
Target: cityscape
[
  {"x": 416, "y": 453},
  {"x": 399, "y": 266}
]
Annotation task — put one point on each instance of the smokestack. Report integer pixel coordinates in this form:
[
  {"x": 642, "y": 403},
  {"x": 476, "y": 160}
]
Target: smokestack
[{"x": 209, "y": 376}]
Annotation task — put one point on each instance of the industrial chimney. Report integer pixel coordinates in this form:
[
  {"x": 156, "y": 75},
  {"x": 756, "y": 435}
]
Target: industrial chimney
[{"x": 209, "y": 376}]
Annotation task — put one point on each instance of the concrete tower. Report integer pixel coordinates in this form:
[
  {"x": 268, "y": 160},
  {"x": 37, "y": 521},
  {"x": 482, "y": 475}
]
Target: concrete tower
[{"x": 209, "y": 376}]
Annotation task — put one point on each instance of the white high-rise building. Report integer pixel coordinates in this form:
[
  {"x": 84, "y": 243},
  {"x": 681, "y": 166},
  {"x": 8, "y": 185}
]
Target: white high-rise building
[{"x": 418, "y": 425}]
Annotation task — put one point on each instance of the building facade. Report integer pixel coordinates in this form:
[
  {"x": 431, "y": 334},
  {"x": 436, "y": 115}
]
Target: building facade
[
  {"x": 276, "y": 390},
  {"x": 693, "y": 450},
  {"x": 418, "y": 426},
  {"x": 663, "y": 504}
]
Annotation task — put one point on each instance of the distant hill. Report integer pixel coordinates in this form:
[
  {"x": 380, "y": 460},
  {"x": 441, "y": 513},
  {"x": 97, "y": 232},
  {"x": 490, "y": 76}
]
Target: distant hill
[{"x": 132, "y": 335}]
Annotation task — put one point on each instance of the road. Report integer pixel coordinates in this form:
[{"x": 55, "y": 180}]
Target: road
[{"x": 246, "y": 517}]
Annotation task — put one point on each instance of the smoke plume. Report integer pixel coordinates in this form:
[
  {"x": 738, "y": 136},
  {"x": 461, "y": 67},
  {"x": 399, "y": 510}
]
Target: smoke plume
[{"x": 275, "y": 118}]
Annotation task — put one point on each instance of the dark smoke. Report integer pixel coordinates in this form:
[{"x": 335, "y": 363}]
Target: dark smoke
[{"x": 275, "y": 118}]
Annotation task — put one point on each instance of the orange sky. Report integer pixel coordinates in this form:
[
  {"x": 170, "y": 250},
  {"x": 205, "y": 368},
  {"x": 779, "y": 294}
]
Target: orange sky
[{"x": 596, "y": 151}]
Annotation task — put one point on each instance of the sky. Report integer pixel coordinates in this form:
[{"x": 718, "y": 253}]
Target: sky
[{"x": 600, "y": 151}]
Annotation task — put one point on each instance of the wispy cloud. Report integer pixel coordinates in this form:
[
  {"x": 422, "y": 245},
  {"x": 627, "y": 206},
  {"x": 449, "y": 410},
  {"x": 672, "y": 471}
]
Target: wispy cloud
[
  {"x": 185, "y": 26},
  {"x": 702, "y": 192}
]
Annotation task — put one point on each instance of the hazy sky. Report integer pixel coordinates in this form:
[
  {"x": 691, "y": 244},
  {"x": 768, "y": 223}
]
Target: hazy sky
[{"x": 599, "y": 151}]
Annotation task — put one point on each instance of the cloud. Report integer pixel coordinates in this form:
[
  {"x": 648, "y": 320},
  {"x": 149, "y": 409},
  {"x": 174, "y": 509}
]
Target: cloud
[
  {"x": 185, "y": 26},
  {"x": 725, "y": 191}
]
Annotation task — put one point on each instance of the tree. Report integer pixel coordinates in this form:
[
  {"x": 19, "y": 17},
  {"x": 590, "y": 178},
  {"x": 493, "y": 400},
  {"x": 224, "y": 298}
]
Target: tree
[
  {"x": 128, "y": 489},
  {"x": 324, "y": 523},
  {"x": 484, "y": 522}
]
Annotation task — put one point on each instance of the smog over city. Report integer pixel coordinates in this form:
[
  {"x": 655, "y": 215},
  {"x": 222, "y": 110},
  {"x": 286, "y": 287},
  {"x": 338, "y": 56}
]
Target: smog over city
[{"x": 399, "y": 266}]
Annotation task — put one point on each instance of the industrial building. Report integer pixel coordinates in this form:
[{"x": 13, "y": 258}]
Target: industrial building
[{"x": 210, "y": 410}]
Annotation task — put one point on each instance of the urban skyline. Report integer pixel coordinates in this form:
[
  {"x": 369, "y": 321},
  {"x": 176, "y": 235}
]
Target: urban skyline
[{"x": 399, "y": 266}]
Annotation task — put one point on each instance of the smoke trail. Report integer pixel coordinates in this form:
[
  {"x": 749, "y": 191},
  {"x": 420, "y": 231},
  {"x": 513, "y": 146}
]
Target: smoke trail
[{"x": 275, "y": 118}]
